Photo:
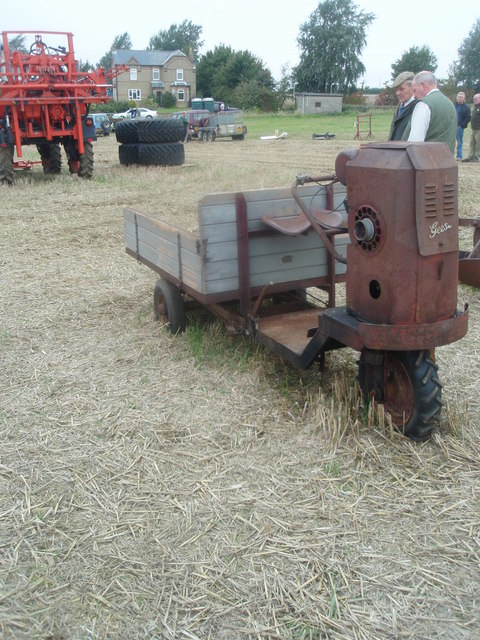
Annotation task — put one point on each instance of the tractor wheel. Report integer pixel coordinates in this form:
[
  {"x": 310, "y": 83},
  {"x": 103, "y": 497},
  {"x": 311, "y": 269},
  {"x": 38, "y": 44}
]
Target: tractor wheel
[
  {"x": 126, "y": 131},
  {"x": 168, "y": 306},
  {"x": 128, "y": 154},
  {"x": 413, "y": 392},
  {"x": 85, "y": 169},
  {"x": 73, "y": 157},
  {"x": 51, "y": 155},
  {"x": 6, "y": 165},
  {"x": 163, "y": 155},
  {"x": 158, "y": 130}
]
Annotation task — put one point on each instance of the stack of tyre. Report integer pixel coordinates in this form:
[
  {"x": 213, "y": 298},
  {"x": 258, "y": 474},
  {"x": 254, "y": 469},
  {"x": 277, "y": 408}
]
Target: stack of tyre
[{"x": 153, "y": 141}]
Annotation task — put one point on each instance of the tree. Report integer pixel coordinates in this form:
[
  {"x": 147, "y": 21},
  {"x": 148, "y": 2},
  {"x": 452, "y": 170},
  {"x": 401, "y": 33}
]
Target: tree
[
  {"x": 415, "y": 59},
  {"x": 467, "y": 69},
  {"x": 183, "y": 37},
  {"x": 17, "y": 44},
  {"x": 285, "y": 85},
  {"x": 221, "y": 71},
  {"x": 331, "y": 42},
  {"x": 123, "y": 41}
]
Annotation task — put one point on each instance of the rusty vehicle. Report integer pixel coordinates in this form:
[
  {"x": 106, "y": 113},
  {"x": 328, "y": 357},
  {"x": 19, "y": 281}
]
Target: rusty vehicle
[
  {"x": 44, "y": 101},
  {"x": 268, "y": 263}
]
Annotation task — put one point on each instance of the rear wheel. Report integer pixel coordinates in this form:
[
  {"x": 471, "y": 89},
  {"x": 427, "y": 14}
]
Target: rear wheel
[
  {"x": 51, "y": 155},
  {"x": 168, "y": 306},
  {"x": 6, "y": 164},
  {"x": 85, "y": 169},
  {"x": 411, "y": 393}
]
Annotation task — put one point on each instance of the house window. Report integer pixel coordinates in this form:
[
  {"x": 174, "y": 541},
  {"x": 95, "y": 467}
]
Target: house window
[
  {"x": 179, "y": 74},
  {"x": 318, "y": 105},
  {"x": 134, "y": 94},
  {"x": 181, "y": 95},
  {"x": 133, "y": 73},
  {"x": 155, "y": 74}
]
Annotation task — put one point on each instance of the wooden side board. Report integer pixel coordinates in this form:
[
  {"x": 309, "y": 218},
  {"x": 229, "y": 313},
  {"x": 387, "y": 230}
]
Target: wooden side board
[{"x": 207, "y": 262}]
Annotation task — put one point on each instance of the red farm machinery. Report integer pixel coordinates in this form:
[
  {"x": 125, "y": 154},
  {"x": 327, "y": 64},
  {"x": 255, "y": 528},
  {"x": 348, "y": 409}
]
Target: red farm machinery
[{"x": 45, "y": 101}]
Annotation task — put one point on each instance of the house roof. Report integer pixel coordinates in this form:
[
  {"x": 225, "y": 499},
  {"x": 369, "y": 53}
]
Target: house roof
[{"x": 151, "y": 58}]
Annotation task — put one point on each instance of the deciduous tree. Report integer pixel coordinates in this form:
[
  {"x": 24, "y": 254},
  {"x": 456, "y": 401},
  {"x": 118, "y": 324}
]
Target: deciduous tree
[
  {"x": 17, "y": 43},
  {"x": 184, "y": 37},
  {"x": 467, "y": 69},
  {"x": 331, "y": 42},
  {"x": 123, "y": 41},
  {"x": 220, "y": 72},
  {"x": 415, "y": 59}
]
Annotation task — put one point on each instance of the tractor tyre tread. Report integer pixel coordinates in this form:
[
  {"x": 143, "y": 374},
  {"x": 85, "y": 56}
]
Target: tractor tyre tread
[
  {"x": 157, "y": 130},
  {"x": 128, "y": 154},
  {"x": 126, "y": 131},
  {"x": 161, "y": 154}
]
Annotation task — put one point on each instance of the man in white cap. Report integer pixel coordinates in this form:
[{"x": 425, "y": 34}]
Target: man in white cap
[{"x": 406, "y": 103}]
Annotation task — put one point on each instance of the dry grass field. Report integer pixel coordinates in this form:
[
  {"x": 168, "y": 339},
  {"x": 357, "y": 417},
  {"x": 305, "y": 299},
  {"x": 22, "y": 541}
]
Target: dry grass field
[{"x": 198, "y": 486}]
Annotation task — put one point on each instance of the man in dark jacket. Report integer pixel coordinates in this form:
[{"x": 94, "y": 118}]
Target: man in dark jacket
[
  {"x": 406, "y": 103},
  {"x": 463, "y": 116}
]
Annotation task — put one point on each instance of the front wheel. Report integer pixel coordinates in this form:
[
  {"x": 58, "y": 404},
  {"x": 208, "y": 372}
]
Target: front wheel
[
  {"x": 168, "y": 306},
  {"x": 407, "y": 384}
]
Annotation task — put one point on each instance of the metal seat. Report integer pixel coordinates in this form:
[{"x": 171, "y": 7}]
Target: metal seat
[{"x": 301, "y": 224}]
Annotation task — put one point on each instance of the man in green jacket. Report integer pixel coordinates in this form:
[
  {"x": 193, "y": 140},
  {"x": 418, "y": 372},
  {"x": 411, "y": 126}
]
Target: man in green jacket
[{"x": 434, "y": 118}]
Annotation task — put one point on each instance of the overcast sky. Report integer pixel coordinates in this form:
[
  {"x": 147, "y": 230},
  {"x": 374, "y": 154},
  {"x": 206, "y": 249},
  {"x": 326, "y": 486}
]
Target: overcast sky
[{"x": 263, "y": 27}]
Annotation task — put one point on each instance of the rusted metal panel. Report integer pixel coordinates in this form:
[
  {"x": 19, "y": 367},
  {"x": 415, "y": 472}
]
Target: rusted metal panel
[
  {"x": 469, "y": 271},
  {"x": 389, "y": 281},
  {"x": 414, "y": 337},
  {"x": 436, "y": 192},
  {"x": 338, "y": 323}
]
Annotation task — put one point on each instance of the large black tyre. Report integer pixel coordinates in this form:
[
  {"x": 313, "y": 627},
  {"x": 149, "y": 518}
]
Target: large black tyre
[
  {"x": 163, "y": 155},
  {"x": 160, "y": 130},
  {"x": 51, "y": 156},
  {"x": 86, "y": 162},
  {"x": 128, "y": 154},
  {"x": 6, "y": 165},
  {"x": 168, "y": 306},
  {"x": 413, "y": 392},
  {"x": 126, "y": 131}
]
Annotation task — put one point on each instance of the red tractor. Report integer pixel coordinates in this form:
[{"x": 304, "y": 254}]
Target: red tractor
[{"x": 45, "y": 101}]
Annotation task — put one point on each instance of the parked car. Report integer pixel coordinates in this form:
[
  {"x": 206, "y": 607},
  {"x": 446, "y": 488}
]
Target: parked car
[
  {"x": 102, "y": 123},
  {"x": 135, "y": 112},
  {"x": 196, "y": 118}
]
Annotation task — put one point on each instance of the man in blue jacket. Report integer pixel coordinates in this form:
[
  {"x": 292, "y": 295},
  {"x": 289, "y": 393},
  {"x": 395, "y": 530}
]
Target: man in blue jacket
[{"x": 463, "y": 116}]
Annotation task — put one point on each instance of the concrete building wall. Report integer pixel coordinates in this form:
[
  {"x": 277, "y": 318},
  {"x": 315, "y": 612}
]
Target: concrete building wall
[{"x": 312, "y": 103}]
